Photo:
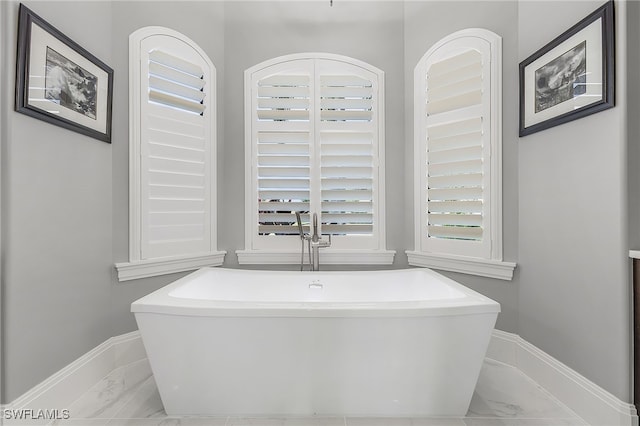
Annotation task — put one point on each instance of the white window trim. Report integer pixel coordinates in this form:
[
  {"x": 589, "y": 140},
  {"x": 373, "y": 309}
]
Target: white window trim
[
  {"x": 137, "y": 268},
  {"x": 466, "y": 265},
  {"x": 128, "y": 271},
  {"x": 334, "y": 257},
  {"x": 329, "y": 255},
  {"x": 493, "y": 267}
]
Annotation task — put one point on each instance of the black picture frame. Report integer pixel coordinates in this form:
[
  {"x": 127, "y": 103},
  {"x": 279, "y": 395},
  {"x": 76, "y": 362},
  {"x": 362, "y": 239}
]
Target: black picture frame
[
  {"x": 572, "y": 76},
  {"x": 60, "y": 82}
]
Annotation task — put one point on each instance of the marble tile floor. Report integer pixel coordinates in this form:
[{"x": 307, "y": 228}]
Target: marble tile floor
[{"x": 504, "y": 396}]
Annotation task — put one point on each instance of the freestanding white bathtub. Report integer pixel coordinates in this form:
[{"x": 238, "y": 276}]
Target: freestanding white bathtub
[{"x": 264, "y": 343}]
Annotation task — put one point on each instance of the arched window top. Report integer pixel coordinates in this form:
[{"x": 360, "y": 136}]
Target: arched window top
[
  {"x": 315, "y": 55},
  {"x": 463, "y": 40},
  {"x": 174, "y": 46}
]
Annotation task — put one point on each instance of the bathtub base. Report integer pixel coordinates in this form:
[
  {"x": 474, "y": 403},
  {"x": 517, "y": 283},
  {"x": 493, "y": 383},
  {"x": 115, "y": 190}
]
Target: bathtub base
[{"x": 253, "y": 366}]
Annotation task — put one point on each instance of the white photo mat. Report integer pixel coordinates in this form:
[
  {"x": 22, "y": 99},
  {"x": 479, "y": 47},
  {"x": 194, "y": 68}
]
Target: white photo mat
[
  {"x": 40, "y": 41},
  {"x": 592, "y": 36}
]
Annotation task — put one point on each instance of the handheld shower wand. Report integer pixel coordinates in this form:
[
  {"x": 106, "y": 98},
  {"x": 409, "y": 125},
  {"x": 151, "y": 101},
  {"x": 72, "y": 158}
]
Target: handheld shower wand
[{"x": 303, "y": 237}]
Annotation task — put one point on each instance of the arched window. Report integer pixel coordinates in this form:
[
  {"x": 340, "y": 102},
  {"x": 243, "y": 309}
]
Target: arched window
[
  {"x": 314, "y": 144},
  {"x": 172, "y": 191},
  {"x": 458, "y": 150}
]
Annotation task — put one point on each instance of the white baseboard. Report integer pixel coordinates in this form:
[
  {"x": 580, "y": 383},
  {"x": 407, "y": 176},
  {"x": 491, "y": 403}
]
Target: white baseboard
[
  {"x": 588, "y": 400},
  {"x": 593, "y": 404},
  {"x": 61, "y": 389}
]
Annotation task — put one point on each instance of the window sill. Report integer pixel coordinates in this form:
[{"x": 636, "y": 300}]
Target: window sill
[
  {"x": 150, "y": 268},
  {"x": 327, "y": 257},
  {"x": 466, "y": 265}
]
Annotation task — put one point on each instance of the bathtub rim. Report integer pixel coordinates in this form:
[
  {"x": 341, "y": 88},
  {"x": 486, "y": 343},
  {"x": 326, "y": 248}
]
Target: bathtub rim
[{"x": 160, "y": 302}]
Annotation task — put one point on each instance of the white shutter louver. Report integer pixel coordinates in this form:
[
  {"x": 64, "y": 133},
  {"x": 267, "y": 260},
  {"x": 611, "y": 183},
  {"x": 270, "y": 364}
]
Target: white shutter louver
[
  {"x": 345, "y": 98},
  {"x": 455, "y": 159},
  {"x": 284, "y": 98},
  {"x": 175, "y": 82},
  {"x": 347, "y": 183},
  {"x": 283, "y": 181},
  {"x": 175, "y": 151},
  {"x": 455, "y": 83}
]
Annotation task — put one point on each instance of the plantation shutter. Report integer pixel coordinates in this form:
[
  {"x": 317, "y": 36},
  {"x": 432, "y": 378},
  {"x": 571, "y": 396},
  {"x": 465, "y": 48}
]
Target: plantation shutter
[
  {"x": 458, "y": 156},
  {"x": 458, "y": 134},
  {"x": 175, "y": 150},
  {"x": 348, "y": 155},
  {"x": 283, "y": 100},
  {"x": 314, "y": 139}
]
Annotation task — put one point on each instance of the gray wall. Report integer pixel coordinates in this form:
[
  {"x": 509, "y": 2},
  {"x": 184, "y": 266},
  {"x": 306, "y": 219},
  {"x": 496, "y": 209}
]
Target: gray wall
[
  {"x": 257, "y": 31},
  {"x": 573, "y": 258},
  {"x": 425, "y": 24},
  {"x": 57, "y": 222}
]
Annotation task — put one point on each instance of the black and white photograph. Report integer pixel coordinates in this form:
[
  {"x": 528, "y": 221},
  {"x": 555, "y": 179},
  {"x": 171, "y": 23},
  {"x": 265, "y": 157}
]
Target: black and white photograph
[
  {"x": 60, "y": 82},
  {"x": 70, "y": 85},
  {"x": 562, "y": 79},
  {"x": 570, "y": 77}
]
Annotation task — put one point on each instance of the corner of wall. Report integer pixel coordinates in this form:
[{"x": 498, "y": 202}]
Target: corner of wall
[
  {"x": 633, "y": 126},
  {"x": 633, "y": 149},
  {"x": 2, "y": 138},
  {"x": 5, "y": 105}
]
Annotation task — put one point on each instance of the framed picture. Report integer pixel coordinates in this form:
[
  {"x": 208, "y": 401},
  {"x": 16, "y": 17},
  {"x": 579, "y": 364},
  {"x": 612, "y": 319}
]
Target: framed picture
[
  {"x": 572, "y": 76},
  {"x": 60, "y": 82}
]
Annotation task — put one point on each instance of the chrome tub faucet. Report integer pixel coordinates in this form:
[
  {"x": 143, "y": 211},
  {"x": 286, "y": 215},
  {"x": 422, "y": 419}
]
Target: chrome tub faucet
[{"x": 314, "y": 243}]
